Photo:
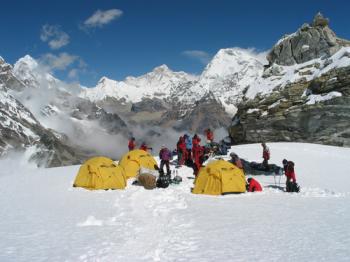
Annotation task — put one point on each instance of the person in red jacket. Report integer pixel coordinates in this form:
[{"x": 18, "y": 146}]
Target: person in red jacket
[
  {"x": 290, "y": 175},
  {"x": 210, "y": 135},
  {"x": 266, "y": 156},
  {"x": 181, "y": 151},
  {"x": 145, "y": 147},
  {"x": 132, "y": 144},
  {"x": 197, "y": 153},
  {"x": 196, "y": 140},
  {"x": 253, "y": 185}
]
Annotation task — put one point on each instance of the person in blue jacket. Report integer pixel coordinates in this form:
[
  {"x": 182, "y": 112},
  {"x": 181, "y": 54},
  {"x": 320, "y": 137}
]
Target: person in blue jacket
[{"x": 188, "y": 141}]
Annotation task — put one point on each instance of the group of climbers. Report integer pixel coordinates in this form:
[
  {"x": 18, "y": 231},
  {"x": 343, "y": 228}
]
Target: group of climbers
[
  {"x": 288, "y": 169},
  {"x": 190, "y": 152},
  {"x": 132, "y": 145}
]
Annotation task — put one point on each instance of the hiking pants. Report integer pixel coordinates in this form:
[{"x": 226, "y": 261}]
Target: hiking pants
[{"x": 166, "y": 163}]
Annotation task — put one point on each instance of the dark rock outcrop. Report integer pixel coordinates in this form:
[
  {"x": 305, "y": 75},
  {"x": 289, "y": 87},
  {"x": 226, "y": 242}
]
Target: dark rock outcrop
[
  {"x": 206, "y": 113},
  {"x": 309, "y": 42},
  {"x": 148, "y": 105},
  {"x": 7, "y": 78},
  {"x": 290, "y": 114},
  {"x": 20, "y": 130}
]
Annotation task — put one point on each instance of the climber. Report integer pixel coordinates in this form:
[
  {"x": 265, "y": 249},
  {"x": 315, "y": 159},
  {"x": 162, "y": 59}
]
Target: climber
[
  {"x": 145, "y": 147},
  {"x": 132, "y": 143},
  {"x": 209, "y": 135},
  {"x": 188, "y": 142},
  {"x": 181, "y": 151},
  {"x": 291, "y": 181},
  {"x": 165, "y": 157},
  {"x": 236, "y": 160},
  {"x": 196, "y": 140},
  {"x": 197, "y": 152},
  {"x": 253, "y": 185},
  {"x": 266, "y": 156}
]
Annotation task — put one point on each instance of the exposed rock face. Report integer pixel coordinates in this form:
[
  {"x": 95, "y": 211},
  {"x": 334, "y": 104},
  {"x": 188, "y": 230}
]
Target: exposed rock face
[
  {"x": 316, "y": 111},
  {"x": 7, "y": 78},
  {"x": 20, "y": 130},
  {"x": 85, "y": 109},
  {"x": 309, "y": 42},
  {"x": 306, "y": 102},
  {"x": 37, "y": 110},
  {"x": 206, "y": 113},
  {"x": 165, "y": 97},
  {"x": 148, "y": 105}
]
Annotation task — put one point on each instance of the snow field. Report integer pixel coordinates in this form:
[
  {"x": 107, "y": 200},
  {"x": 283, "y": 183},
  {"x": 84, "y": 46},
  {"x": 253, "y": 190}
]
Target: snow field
[{"x": 44, "y": 219}]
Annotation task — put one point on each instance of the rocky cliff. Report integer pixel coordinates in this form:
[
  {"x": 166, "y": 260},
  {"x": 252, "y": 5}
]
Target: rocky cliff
[
  {"x": 21, "y": 131},
  {"x": 302, "y": 96},
  {"x": 311, "y": 41},
  {"x": 41, "y": 113}
]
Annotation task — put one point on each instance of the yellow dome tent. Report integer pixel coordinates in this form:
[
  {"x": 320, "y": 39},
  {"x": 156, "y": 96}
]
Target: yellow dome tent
[
  {"x": 100, "y": 173},
  {"x": 219, "y": 177},
  {"x": 134, "y": 160}
]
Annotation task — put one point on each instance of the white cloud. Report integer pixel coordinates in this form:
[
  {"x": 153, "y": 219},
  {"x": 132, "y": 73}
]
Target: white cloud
[
  {"x": 73, "y": 73},
  {"x": 54, "y": 36},
  {"x": 101, "y": 18},
  {"x": 202, "y": 56},
  {"x": 79, "y": 69},
  {"x": 58, "y": 62}
]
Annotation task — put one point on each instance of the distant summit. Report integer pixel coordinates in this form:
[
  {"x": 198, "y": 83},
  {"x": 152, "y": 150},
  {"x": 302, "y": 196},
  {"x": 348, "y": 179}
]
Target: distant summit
[{"x": 311, "y": 41}]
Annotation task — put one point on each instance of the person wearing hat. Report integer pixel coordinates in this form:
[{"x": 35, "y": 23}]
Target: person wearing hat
[
  {"x": 209, "y": 135},
  {"x": 165, "y": 157},
  {"x": 236, "y": 160},
  {"x": 290, "y": 176},
  {"x": 253, "y": 185},
  {"x": 144, "y": 146},
  {"x": 132, "y": 143},
  {"x": 266, "y": 155}
]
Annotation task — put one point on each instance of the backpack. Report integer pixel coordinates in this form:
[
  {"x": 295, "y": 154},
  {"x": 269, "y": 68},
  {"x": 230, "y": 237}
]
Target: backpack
[
  {"x": 163, "y": 181},
  {"x": 293, "y": 187}
]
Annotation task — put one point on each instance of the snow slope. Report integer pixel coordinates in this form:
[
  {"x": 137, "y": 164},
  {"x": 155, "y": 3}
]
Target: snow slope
[
  {"x": 284, "y": 75},
  {"x": 44, "y": 219}
]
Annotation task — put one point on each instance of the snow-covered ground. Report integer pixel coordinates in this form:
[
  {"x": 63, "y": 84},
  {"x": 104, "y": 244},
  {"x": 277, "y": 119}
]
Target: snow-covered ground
[{"x": 44, "y": 219}]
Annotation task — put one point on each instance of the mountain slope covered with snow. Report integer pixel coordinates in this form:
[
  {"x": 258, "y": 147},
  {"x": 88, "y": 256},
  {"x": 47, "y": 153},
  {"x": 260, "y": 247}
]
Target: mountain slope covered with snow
[
  {"x": 160, "y": 83},
  {"x": 226, "y": 76},
  {"x": 174, "y": 225}
]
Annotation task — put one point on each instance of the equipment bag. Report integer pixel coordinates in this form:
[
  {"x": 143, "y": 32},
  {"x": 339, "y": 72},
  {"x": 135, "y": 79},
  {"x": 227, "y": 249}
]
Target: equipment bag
[
  {"x": 176, "y": 180},
  {"x": 293, "y": 187},
  {"x": 163, "y": 181},
  {"x": 148, "y": 181}
]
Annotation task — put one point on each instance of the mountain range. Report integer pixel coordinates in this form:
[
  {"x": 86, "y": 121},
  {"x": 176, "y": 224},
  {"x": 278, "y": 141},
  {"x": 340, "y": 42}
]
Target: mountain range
[{"x": 298, "y": 91}]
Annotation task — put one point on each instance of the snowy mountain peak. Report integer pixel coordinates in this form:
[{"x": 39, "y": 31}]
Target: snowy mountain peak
[
  {"x": 28, "y": 70},
  {"x": 27, "y": 61},
  {"x": 162, "y": 68},
  {"x": 161, "y": 82},
  {"x": 25, "y": 70},
  {"x": 226, "y": 76},
  {"x": 105, "y": 80},
  {"x": 230, "y": 61}
]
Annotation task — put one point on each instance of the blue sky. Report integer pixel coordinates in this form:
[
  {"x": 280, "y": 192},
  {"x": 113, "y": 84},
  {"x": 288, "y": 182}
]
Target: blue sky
[{"x": 85, "y": 40}]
